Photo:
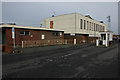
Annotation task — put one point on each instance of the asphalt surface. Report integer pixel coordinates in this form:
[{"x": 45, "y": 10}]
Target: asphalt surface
[{"x": 63, "y": 61}]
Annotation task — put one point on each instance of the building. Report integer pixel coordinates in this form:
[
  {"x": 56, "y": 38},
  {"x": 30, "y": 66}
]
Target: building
[
  {"x": 14, "y": 36},
  {"x": 77, "y": 28},
  {"x": 106, "y": 38}
]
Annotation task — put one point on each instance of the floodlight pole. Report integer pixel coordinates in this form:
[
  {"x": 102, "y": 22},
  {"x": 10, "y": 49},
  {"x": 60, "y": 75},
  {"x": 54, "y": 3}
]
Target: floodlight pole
[{"x": 109, "y": 24}]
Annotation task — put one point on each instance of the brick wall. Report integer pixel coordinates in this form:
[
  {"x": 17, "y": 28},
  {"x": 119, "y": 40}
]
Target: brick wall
[
  {"x": 79, "y": 38},
  {"x": 34, "y": 35}
]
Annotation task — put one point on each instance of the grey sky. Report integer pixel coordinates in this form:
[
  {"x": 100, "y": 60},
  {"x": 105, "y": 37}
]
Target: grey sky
[{"x": 31, "y": 13}]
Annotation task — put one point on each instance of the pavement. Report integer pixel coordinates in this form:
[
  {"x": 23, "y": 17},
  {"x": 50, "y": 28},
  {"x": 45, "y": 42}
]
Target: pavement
[{"x": 63, "y": 61}]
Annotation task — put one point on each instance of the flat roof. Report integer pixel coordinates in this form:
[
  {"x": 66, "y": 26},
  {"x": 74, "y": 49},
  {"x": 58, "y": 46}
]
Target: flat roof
[
  {"x": 103, "y": 32},
  {"x": 29, "y": 27},
  {"x": 79, "y": 14}
]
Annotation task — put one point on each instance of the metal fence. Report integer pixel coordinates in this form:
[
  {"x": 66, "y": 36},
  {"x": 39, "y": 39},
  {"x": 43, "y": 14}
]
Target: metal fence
[
  {"x": 51, "y": 42},
  {"x": 42, "y": 43}
]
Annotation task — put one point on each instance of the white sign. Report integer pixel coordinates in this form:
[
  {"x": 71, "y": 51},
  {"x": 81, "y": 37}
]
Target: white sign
[
  {"x": 13, "y": 33},
  {"x": 72, "y": 34},
  {"x": 92, "y": 35}
]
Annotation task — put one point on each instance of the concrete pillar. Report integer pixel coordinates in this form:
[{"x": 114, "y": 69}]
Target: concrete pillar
[
  {"x": 97, "y": 42},
  {"x": 106, "y": 40}
]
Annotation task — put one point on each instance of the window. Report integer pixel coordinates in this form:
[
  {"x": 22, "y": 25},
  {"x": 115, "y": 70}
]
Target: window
[
  {"x": 51, "y": 24},
  {"x": 27, "y": 32},
  {"x": 90, "y": 26},
  {"x": 98, "y": 28},
  {"x": 81, "y": 23},
  {"x": 87, "y": 25},
  {"x": 94, "y": 26},
  {"x": 24, "y": 32},
  {"x": 42, "y": 36},
  {"x": 55, "y": 33},
  {"x": 60, "y": 34},
  {"x": 84, "y": 24},
  {"x": 103, "y": 28}
]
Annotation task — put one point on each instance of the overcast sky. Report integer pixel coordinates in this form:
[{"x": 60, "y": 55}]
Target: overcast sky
[{"x": 32, "y": 13}]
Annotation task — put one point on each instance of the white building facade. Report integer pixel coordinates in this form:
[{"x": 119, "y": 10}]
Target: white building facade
[{"x": 75, "y": 23}]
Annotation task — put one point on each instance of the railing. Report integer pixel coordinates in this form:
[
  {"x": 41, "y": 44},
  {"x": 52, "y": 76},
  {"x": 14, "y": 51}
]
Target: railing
[{"x": 42, "y": 43}]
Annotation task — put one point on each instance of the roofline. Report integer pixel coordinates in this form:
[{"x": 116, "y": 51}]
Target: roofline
[
  {"x": 28, "y": 27},
  {"x": 105, "y": 32},
  {"x": 79, "y": 14}
]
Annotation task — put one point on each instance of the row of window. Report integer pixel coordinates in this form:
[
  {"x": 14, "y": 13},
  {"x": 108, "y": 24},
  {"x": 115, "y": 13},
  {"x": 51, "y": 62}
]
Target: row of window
[
  {"x": 90, "y": 26},
  {"x": 28, "y": 33},
  {"x": 24, "y": 32}
]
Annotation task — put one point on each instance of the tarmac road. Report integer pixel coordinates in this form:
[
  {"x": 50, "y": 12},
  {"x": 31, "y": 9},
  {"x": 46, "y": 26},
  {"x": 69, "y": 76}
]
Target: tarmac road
[{"x": 67, "y": 61}]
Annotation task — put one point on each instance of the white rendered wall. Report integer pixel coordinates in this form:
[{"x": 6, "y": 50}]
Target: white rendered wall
[{"x": 70, "y": 23}]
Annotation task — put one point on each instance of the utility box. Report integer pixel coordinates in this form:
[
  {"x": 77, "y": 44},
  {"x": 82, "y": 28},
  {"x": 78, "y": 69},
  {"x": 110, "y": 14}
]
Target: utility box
[{"x": 105, "y": 39}]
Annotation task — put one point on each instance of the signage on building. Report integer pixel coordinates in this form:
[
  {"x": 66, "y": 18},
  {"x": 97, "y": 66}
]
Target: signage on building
[
  {"x": 13, "y": 32},
  {"x": 92, "y": 35},
  {"x": 72, "y": 34}
]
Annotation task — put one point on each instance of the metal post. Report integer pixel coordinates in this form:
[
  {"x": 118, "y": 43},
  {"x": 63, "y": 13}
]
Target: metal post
[{"x": 13, "y": 36}]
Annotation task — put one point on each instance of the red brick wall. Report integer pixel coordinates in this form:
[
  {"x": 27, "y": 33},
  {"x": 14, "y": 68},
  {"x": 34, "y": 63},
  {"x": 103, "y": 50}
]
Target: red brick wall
[
  {"x": 79, "y": 38},
  {"x": 36, "y": 35}
]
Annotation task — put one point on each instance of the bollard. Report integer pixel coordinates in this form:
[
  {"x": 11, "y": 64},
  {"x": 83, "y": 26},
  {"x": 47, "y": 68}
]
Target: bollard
[
  {"x": 97, "y": 42},
  {"x": 22, "y": 44}
]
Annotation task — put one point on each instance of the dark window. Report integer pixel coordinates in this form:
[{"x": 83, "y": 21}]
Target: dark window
[
  {"x": 81, "y": 24},
  {"x": 24, "y": 32},
  {"x": 55, "y": 33},
  {"x": 84, "y": 24},
  {"x": 90, "y": 26},
  {"x": 98, "y": 28},
  {"x": 87, "y": 25},
  {"x": 27, "y": 32},
  {"x": 94, "y": 26}
]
